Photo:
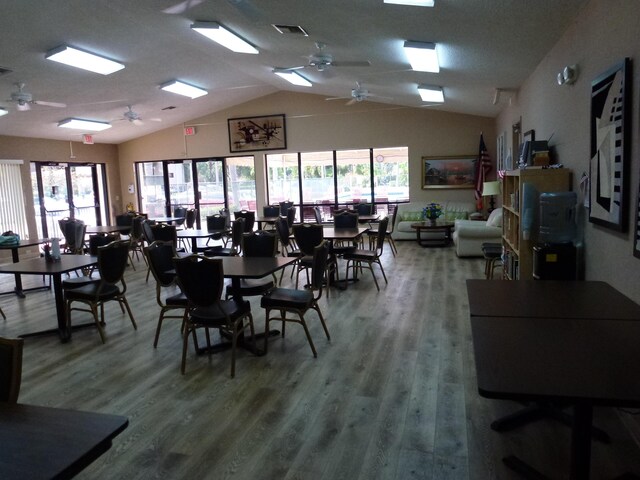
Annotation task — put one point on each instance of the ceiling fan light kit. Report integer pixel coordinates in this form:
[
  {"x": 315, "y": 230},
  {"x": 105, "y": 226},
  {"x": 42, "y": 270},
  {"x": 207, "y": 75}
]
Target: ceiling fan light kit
[
  {"x": 219, "y": 34},
  {"x": 430, "y": 93},
  {"x": 83, "y": 59},
  {"x": 81, "y": 124},
  {"x": 422, "y": 56},
  {"x": 412, "y": 3},
  {"x": 292, "y": 77},
  {"x": 181, "y": 88}
]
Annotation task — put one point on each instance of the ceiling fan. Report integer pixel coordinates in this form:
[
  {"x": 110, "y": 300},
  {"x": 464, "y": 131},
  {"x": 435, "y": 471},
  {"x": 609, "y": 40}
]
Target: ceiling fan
[
  {"x": 24, "y": 100},
  {"x": 321, "y": 61},
  {"x": 134, "y": 117},
  {"x": 243, "y": 6},
  {"x": 358, "y": 94}
]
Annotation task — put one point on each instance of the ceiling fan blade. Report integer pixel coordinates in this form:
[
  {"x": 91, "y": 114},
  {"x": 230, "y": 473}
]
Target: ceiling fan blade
[
  {"x": 299, "y": 67},
  {"x": 50, "y": 104},
  {"x": 365, "y": 63},
  {"x": 352, "y": 101},
  {"x": 182, "y": 7},
  {"x": 137, "y": 122},
  {"x": 337, "y": 98}
]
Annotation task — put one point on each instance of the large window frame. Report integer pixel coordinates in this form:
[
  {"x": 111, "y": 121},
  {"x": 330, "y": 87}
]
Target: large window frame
[{"x": 338, "y": 178}]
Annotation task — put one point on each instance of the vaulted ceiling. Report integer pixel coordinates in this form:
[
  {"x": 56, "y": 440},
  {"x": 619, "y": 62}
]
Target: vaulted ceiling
[{"x": 482, "y": 45}]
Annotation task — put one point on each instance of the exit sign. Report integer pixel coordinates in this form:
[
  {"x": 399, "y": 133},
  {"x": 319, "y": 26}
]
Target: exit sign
[
  {"x": 188, "y": 131},
  {"x": 87, "y": 139}
]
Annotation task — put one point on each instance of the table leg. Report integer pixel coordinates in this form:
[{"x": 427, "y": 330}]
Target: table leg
[{"x": 581, "y": 441}]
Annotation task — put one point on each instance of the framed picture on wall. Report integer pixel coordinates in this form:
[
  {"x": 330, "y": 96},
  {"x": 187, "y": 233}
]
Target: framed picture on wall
[
  {"x": 449, "y": 172},
  {"x": 610, "y": 138},
  {"x": 249, "y": 134}
]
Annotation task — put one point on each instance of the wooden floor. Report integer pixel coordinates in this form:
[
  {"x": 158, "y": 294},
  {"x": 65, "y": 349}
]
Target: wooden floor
[{"x": 392, "y": 396}]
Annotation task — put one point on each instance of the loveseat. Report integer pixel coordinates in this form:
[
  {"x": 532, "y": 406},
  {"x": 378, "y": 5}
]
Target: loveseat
[
  {"x": 409, "y": 213},
  {"x": 469, "y": 235}
]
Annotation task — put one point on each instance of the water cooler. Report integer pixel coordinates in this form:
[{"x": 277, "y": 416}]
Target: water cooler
[{"x": 554, "y": 257}]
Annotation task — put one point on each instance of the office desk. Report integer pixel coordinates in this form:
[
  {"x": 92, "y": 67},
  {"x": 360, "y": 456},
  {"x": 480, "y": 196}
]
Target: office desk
[
  {"x": 15, "y": 257},
  {"x": 42, "y": 442},
  {"x": 38, "y": 266},
  {"x": 574, "y": 342}
]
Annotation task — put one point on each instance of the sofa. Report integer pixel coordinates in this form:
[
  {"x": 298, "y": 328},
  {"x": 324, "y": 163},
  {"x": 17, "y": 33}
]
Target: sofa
[
  {"x": 409, "y": 213},
  {"x": 469, "y": 235}
]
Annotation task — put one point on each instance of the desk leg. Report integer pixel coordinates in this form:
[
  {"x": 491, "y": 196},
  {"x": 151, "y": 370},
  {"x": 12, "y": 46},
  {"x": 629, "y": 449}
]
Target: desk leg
[{"x": 581, "y": 441}]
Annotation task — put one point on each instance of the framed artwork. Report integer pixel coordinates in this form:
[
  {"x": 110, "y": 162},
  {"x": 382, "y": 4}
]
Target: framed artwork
[
  {"x": 610, "y": 137},
  {"x": 449, "y": 172},
  {"x": 249, "y": 134}
]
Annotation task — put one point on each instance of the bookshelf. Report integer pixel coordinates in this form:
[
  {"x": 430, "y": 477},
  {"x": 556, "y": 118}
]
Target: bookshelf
[{"x": 518, "y": 250}]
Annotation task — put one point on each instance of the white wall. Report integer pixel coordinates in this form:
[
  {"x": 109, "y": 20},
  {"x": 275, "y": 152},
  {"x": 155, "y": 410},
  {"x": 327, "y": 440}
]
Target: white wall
[{"x": 604, "y": 33}]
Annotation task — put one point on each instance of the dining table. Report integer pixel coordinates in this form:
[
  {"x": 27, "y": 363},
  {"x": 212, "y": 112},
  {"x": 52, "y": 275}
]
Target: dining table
[
  {"x": 40, "y": 266},
  {"x": 15, "y": 257},
  {"x": 195, "y": 234},
  {"x": 261, "y": 220},
  {"x": 566, "y": 342},
  {"x": 332, "y": 235},
  {"x": 41, "y": 443},
  {"x": 104, "y": 229},
  {"x": 167, "y": 219}
]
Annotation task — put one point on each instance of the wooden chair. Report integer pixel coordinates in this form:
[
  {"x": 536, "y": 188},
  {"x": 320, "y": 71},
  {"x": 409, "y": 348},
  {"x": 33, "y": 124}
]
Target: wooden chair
[
  {"x": 112, "y": 262},
  {"x": 318, "y": 214},
  {"x": 344, "y": 219},
  {"x": 256, "y": 244},
  {"x": 357, "y": 258},
  {"x": 10, "y": 368},
  {"x": 249, "y": 219},
  {"x": 180, "y": 212},
  {"x": 308, "y": 236},
  {"x": 217, "y": 222},
  {"x": 136, "y": 239},
  {"x": 160, "y": 259},
  {"x": 284, "y": 207},
  {"x": 202, "y": 280},
  {"x": 95, "y": 241},
  {"x": 373, "y": 232},
  {"x": 298, "y": 302},
  {"x": 237, "y": 229},
  {"x": 287, "y": 248}
]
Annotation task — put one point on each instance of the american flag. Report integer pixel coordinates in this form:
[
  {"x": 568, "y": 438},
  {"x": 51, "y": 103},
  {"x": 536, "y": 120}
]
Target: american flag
[{"x": 483, "y": 167}]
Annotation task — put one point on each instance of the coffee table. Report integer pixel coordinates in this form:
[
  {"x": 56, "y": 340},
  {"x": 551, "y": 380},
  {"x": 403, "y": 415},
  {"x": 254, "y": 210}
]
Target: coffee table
[{"x": 439, "y": 226}]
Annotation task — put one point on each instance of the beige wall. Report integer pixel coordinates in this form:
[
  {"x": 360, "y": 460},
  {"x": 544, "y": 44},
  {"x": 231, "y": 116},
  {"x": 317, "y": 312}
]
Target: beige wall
[
  {"x": 314, "y": 124},
  {"x": 605, "y": 32}
]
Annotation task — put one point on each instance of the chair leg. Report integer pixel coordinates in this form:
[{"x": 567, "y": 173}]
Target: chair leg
[
  {"x": 185, "y": 341},
  {"x": 2, "y": 313},
  {"x": 373, "y": 274},
  {"x": 316, "y": 307},
  {"x": 155, "y": 341},
  {"x": 392, "y": 244},
  {"x": 306, "y": 331},
  {"x": 126, "y": 304},
  {"x": 382, "y": 270}
]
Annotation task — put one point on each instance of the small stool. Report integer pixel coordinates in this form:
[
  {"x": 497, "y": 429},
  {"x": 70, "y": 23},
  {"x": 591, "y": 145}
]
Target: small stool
[{"x": 493, "y": 257}]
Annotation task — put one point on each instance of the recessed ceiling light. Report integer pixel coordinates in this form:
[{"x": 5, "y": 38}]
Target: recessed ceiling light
[
  {"x": 80, "y": 124},
  {"x": 82, "y": 59},
  {"x": 292, "y": 77},
  {"x": 430, "y": 93},
  {"x": 3, "y": 111},
  {"x": 223, "y": 36},
  {"x": 412, "y": 3},
  {"x": 422, "y": 56},
  {"x": 181, "y": 88}
]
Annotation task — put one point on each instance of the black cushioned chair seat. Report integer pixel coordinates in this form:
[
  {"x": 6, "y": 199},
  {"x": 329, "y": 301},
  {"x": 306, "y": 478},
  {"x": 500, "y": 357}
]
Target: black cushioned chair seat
[
  {"x": 288, "y": 297},
  {"x": 215, "y": 315},
  {"x": 92, "y": 291}
]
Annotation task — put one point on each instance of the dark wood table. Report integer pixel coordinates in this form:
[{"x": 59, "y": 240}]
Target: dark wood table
[
  {"x": 561, "y": 341},
  {"x": 440, "y": 226},
  {"x": 167, "y": 219},
  {"x": 238, "y": 268},
  {"x": 103, "y": 229},
  {"x": 333, "y": 234},
  {"x": 15, "y": 257},
  {"x": 194, "y": 235},
  {"x": 46, "y": 443},
  {"x": 38, "y": 266},
  {"x": 269, "y": 220}
]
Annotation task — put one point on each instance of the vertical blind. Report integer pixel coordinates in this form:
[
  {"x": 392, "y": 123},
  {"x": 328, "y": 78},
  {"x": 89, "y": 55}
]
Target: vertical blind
[{"x": 12, "y": 212}]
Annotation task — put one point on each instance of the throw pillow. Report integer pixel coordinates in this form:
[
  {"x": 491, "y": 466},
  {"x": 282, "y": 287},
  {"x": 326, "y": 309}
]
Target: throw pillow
[
  {"x": 495, "y": 218},
  {"x": 412, "y": 216}
]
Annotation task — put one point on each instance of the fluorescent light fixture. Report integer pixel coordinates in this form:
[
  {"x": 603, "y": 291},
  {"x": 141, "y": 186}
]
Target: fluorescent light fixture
[
  {"x": 432, "y": 94},
  {"x": 293, "y": 77},
  {"x": 226, "y": 38},
  {"x": 3, "y": 111},
  {"x": 82, "y": 59},
  {"x": 181, "y": 88},
  {"x": 79, "y": 124},
  {"x": 422, "y": 56},
  {"x": 412, "y": 3}
]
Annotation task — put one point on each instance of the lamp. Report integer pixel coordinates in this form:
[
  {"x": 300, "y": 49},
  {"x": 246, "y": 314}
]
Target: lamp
[
  {"x": 181, "y": 88},
  {"x": 292, "y": 77},
  {"x": 422, "y": 56},
  {"x": 80, "y": 124},
  {"x": 82, "y": 59},
  {"x": 216, "y": 32},
  {"x": 489, "y": 189},
  {"x": 430, "y": 93}
]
